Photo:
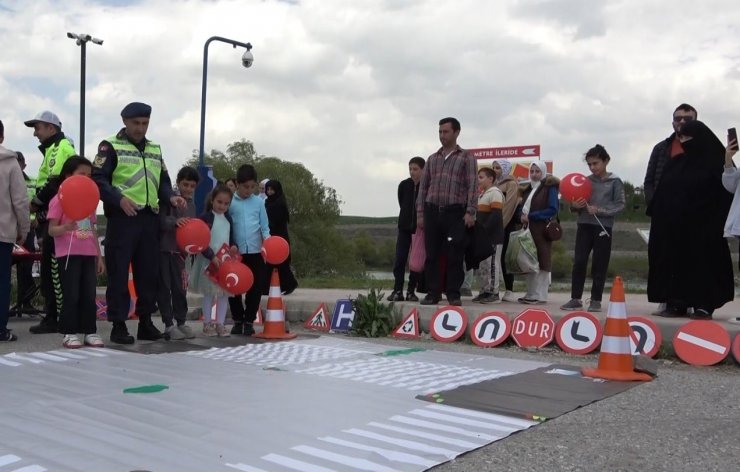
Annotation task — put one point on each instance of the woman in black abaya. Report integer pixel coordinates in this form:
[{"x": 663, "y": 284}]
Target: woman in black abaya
[
  {"x": 688, "y": 256},
  {"x": 278, "y": 217}
]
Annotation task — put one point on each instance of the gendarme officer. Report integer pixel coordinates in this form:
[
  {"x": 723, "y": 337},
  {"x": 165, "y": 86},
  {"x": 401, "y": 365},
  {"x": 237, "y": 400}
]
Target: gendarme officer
[{"x": 133, "y": 179}]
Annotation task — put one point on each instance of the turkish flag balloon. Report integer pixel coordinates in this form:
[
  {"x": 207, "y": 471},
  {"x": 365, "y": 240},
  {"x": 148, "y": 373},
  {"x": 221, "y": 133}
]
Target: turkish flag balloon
[
  {"x": 193, "y": 237},
  {"x": 235, "y": 277},
  {"x": 275, "y": 250},
  {"x": 574, "y": 186},
  {"x": 79, "y": 197}
]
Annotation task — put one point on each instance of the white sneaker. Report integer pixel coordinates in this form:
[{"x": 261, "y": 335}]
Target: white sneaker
[
  {"x": 186, "y": 331},
  {"x": 174, "y": 333},
  {"x": 209, "y": 329},
  {"x": 734, "y": 320},
  {"x": 509, "y": 297},
  {"x": 93, "y": 340},
  {"x": 71, "y": 341}
]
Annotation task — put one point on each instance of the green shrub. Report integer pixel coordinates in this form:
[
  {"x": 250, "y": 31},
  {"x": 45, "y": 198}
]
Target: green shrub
[{"x": 373, "y": 317}]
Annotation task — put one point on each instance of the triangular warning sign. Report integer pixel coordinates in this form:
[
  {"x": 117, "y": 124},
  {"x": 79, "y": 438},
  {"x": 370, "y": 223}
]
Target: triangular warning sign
[
  {"x": 409, "y": 327},
  {"x": 258, "y": 319},
  {"x": 319, "y": 321}
]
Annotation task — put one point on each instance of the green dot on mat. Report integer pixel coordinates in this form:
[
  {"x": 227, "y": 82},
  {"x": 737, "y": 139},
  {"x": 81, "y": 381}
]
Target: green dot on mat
[
  {"x": 146, "y": 389},
  {"x": 440, "y": 400}
]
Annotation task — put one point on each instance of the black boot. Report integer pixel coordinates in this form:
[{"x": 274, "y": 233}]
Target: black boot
[
  {"x": 47, "y": 325},
  {"x": 395, "y": 296},
  {"x": 238, "y": 328},
  {"x": 119, "y": 333},
  {"x": 147, "y": 331},
  {"x": 411, "y": 296}
]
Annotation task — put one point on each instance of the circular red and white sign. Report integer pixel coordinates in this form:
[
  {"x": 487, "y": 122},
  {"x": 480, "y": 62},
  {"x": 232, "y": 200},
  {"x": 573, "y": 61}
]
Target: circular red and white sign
[
  {"x": 448, "y": 324},
  {"x": 645, "y": 336},
  {"x": 578, "y": 332},
  {"x": 736, "y": 348},
  {"x": 533, "y": 328},
  {"x": 702, "y": 342},
  {"x": 490, "y": 329}
]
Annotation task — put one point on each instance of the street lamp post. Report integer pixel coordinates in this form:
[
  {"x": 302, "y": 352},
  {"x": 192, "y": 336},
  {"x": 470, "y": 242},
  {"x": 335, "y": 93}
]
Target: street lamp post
[
  {"x": 82, "y": 39},
  {"x": 207, "y": 180}
]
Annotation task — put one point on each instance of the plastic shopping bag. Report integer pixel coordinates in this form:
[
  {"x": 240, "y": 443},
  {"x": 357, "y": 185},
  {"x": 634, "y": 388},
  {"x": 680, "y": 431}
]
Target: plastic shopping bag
[
  {"x": 418, "y": 254},
  {"x": 521, "y": 255}
]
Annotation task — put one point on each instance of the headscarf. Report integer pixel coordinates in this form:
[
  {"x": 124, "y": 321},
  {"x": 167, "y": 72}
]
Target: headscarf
[
  {"x": 278, "y": 198},
  {"x": 263, "y": 182},
  {"x": 703, "y": 145},
  {"x": 543, "y": 168},
  {"x": 505, "y": 169}
]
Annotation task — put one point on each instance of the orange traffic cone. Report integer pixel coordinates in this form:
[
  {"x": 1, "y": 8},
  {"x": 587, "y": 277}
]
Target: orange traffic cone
[
  {"x": 615, "y": 360},
  {"x": 274, "y": 316}
]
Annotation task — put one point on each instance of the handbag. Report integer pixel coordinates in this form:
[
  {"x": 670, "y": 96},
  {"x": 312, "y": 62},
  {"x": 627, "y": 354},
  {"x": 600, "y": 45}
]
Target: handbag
[{"x": 553, "y": 230}]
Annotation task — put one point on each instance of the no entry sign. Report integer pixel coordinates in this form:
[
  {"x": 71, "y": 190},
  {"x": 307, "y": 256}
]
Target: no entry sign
[
  {"x": 490, "y": 329},
  {"x": 702, "y": 342},
  {"x": 448, "y": 324},
  {"x": 645, "y": 336},
  {"x": 578, "y": 332},
  {"x": 533, "y": 328}
]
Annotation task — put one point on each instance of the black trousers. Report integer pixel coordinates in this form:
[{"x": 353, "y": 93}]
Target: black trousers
[
  {"x": 51, "y": 287},
  {"x": 444, "y": 233},
  {"x": 132, "y": 240},
  {"x": 508, "y": 278},
  {"x": 244, "y": 308},
  {"x": 79, "y": 279},
  {"x": 403, "y": 246},
  {"x": 172, "y": 298},
  {"x": 591, "y": 238}
]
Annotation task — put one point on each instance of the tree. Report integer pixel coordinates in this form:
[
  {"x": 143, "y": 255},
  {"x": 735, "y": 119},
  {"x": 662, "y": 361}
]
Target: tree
[{"x": 317, "y": 247}]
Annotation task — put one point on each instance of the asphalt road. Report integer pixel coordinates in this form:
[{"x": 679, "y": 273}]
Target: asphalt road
[{"x": 688, "y": 419}]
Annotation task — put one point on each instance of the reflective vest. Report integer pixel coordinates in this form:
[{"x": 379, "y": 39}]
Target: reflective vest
[
  {"x": 54, "y": 158},
  {"x": 137, "y": 173}
]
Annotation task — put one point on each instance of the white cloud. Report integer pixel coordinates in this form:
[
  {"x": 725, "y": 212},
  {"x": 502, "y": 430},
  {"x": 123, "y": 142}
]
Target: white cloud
[{"x": 353, "y": 90}]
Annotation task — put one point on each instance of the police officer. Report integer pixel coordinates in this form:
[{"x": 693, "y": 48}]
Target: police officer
[
  {"x": 56, "y": 149},
  {"x": 132, "y": 178}
]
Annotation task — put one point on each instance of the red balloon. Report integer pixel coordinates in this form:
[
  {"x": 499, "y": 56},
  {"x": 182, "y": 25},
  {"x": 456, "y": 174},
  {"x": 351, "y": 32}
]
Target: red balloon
[
  {"x": 79, "y": 196},
  {"x": 574, "y": 186},
  {"x": 193, "y": 237},
  {"x": 275, "y": 250},
  {"x": 235, "y": 277}
]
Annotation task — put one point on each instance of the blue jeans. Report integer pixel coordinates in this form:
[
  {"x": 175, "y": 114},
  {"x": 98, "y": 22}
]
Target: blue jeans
[{"x": 6, "y": 253}]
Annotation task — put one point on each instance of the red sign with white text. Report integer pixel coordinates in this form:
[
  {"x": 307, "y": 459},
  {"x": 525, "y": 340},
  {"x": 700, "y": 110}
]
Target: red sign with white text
[{"x": 507, "y": 152}]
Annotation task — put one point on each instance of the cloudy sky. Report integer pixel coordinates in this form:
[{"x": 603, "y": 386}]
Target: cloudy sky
[{"x": 354, "y": 89}]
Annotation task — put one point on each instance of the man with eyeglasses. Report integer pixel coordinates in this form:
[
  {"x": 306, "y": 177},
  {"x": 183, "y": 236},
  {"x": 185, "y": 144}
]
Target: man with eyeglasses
[
  {"x": 664, "y": 150},
  {"x": 662, "y": 153}
]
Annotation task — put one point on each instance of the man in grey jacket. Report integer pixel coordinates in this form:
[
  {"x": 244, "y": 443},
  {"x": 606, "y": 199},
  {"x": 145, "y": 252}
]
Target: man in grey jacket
[{"x": 15, "y": 223}]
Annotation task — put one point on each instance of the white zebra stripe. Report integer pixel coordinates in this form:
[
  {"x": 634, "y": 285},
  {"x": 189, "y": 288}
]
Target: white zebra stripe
[
  {"x": 386, "y": 453},
  {"x": 68, "y": 354},
  {"x": 17, "y": 357},
  {"x": 463, "y": 421},
  {"x": 465, "y": 445},
  {"x": 48, "y": 357},
  {"x": 405, "y": 443},
  {"x": 483, "y": 415},
  {"x": 486, "y": 438},
  {"x": 8, "y": 362},
  {"x": 361, "y": 464},
  {"x": 31, "y": 468},
  {"x": 8, "y": 459},
  {"x": 295, "y": 464},
  {"x": 244, "y": 467}
]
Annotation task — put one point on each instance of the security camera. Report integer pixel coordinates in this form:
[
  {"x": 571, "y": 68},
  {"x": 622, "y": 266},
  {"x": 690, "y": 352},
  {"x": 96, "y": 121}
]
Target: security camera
[{"x": 247, "y": 59}]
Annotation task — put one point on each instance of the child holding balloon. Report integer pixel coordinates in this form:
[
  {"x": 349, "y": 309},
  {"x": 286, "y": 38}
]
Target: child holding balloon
[
  {"x": 72, "y": 225},
  {"x": 220, "y": 224},
  {"x": 595, "y": 220}
]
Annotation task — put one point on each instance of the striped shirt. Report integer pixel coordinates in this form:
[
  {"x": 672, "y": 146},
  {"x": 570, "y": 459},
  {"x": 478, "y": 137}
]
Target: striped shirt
[{"x": 450, "y": 181}]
